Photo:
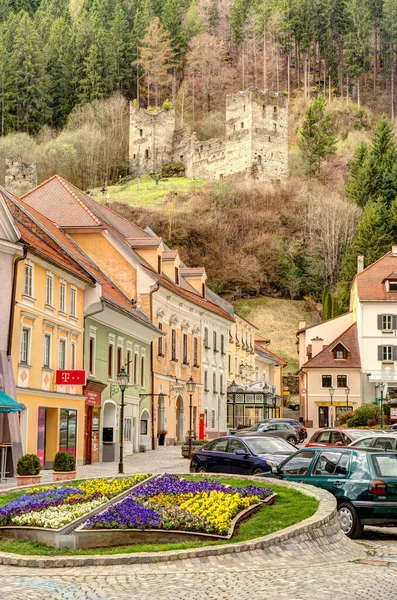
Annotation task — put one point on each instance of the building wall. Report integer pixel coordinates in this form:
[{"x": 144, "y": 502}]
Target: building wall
[
  {"x": 328, "y": 331},
  {"x": 237, "y": 355}
]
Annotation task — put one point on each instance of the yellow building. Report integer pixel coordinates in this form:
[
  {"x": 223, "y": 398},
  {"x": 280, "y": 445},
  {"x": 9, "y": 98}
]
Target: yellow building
[
  {"x": 47, "y": 335},
  {"x": 241, "y": 352}
]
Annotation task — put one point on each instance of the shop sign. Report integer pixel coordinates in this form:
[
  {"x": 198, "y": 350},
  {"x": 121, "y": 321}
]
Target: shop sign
[
  {"x": 393, "y": 413},
  {"x": 70, "y": 377},
  {"x": 93, "y": 398}
]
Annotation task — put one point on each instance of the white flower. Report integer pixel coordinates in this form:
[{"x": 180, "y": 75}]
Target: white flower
[{"x": 55, "y": 517}]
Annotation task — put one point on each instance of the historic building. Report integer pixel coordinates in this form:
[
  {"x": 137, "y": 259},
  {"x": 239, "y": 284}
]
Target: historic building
[{"x": 255, "y": 143}]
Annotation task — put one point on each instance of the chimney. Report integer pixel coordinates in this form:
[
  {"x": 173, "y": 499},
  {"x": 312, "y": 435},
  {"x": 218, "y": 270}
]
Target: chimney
[
  {"x": 394, "y": 250},
  {"x": 317, "y": 346},
  {"x": 360, "y": 263},
  {"x": 301, "y": 325}
]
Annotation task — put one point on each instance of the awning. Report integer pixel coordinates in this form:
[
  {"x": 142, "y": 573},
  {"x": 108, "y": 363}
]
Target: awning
[
  {"x": 337, "y": 403},
  {"x": 8, "y": 405}
]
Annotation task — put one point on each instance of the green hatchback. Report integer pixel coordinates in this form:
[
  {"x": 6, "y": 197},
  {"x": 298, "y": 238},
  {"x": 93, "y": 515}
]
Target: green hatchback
[{"x": 363, "y": 481}]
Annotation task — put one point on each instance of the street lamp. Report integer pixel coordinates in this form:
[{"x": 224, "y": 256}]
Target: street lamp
[
  {"x": 190, "y": 387},
  {"x": 381, "y": 387},
  {"x": 347, "y": 392},
  {"x": 122, "y": 380},
  {"x": 233, "y": 387},
  {"x": 331, "y": 394}
]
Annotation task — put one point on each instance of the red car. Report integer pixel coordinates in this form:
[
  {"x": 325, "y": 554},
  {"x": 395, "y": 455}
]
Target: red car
[{"x": 336, "y": 437}]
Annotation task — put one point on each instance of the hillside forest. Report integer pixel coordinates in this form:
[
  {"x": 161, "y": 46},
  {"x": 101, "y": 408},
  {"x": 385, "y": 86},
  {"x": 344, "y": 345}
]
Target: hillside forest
[{"x": 68, "y": 69}]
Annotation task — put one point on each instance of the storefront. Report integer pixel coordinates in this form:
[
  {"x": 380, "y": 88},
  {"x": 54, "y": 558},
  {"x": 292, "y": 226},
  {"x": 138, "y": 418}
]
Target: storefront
[
  {"x": 91, "y": 429},
  {"x": 247, "y": 408}
]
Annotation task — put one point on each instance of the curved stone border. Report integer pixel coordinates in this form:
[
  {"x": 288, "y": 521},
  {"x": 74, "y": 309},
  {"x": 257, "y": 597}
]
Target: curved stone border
[{"x": 320, "y": 532}]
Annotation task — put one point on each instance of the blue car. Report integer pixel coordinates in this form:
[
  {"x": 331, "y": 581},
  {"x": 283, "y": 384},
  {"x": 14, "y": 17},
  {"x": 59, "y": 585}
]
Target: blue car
[{"x": 242, "y": 456}]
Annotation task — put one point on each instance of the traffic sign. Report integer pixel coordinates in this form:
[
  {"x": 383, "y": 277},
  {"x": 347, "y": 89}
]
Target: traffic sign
[
  {"x": 303, "y": 391},
  {"x": 70, "y": 377}
]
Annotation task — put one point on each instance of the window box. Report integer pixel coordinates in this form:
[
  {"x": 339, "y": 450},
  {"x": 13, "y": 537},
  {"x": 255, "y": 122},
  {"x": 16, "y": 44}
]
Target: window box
[
  {"x": 174, "y": 361},
  {"x": 185, "y": 363},
  {"x": 160, "y": 355}
]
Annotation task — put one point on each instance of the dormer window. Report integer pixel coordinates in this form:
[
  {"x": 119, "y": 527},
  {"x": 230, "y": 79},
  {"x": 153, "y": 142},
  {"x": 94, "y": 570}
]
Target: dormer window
[
  {"x": 392, "y": 286},
  {"x": 340, "y": 352}
]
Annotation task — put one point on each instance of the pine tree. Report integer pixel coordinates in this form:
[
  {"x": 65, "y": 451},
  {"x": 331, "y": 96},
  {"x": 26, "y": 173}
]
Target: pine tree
[
  {"x": 382, "y": 176},
  {"x": 326, "y": 304},
  {"x": 120, "y": 51},
  {"x": 357, "y": 184},
  {"x": 60, "y": 69},
  {"x": 171, "y": 20},
  {"x": 317, "y": 139},
  {"x": 335, "y": 307}
]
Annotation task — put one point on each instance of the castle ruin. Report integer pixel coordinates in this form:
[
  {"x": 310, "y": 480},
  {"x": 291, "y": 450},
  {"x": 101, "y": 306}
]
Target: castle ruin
[{"x": 255, "y": 144}]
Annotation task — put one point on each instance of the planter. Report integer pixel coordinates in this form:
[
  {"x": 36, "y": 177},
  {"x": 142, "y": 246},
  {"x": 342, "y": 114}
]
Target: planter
[
  {"x": 28, "y": 479},
  {"x": 185, "y": 449},
  {"x": 63, "y": 475}
]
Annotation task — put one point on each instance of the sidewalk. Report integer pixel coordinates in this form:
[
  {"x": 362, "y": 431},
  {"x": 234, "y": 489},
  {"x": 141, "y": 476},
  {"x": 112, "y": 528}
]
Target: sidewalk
[{"x": 166, "y": 459}]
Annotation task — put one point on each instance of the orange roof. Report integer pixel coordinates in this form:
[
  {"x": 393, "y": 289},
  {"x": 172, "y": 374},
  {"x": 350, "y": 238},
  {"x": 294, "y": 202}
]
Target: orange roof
[
  {"x": 144, "y": 242},
  {"x": 326, "y": 358},
  {"x": 371, "y": 281},
  {"x": 282, "y": 362}
]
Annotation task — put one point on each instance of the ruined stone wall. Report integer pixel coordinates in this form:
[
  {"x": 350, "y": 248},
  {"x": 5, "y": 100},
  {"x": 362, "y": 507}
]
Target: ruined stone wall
[
  {"x": 19, "y": 176},
  {"x": 151, "y": 140}
]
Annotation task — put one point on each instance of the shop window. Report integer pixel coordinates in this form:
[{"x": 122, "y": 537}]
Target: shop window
[{"x": 68, "y": 431}]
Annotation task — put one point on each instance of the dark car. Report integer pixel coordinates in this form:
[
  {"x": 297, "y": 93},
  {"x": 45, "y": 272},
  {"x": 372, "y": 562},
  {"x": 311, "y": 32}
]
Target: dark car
[
  {"x": 364, "y": 482},
  {"x": 381, "y": 441},
  {"x": 282, "y": 430},
  {"x": 294, "y": 405},
  {"x": 302, "y": 431},
  {"x": 248, "y": 456},
  {"x": 337, "y": 437}
]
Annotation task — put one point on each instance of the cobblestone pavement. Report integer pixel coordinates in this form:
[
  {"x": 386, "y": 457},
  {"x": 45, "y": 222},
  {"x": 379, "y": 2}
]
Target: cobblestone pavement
[{"x": 247, "y": 576}]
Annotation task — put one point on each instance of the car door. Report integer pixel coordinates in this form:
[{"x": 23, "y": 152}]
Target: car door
[
  {"x": 385, "y": 442},
  {"x": 216, "y": 459},
  {"x": 330, "y": 471},
  {"x": 239, "y": 464},
  {"x": 322, "y": 440},
  {"x": 297, "y": 467}
]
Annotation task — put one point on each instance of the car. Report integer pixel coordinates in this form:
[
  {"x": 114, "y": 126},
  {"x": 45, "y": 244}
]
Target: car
[
  {"x": 337, "y": 437},
  {"x": 364, "y": 482},
  {"x": 301, "y": 430},
  {"x": 382, "y": 441},
  {"x": 294, "y": 406},
  {"x": 247, "y": 456},
  {"x": 282, "y": 430},
  {"x": 393, "y": 427}
]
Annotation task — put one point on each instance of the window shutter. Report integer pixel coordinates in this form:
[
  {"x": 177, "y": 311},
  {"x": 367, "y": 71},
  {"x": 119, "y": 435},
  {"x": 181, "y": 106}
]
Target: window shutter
[
  {"x": 380, "y": 322},
  {"x": 394, "y": 352},
  {"x": 379, "y": 352},
  {"x": 394, "y": 322}
]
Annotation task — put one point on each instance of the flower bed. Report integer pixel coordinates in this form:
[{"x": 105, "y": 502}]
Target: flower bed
[
  {"x": 170, "y": 502},
  {"x": 53, "y": 507}
]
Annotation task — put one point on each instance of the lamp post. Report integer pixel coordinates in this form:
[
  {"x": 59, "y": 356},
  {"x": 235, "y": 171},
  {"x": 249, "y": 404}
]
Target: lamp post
[
  {"x": 331, "y": 395},
  {"x": 381, "y": 388},
  {"x": 122, "y": 380},
  {"x": 347, "y": 392},
  {"x": 190, "y": 387}
]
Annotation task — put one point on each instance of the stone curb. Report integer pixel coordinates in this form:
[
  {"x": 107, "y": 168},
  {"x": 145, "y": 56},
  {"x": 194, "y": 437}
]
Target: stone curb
[{"x": 321, "y": 529}]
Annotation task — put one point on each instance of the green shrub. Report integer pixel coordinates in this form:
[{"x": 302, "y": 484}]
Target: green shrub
[
  {"x": 167, "y": 105},
  {"x": 345, "y": 416},
  {"x": 173, "y": 170},
  {"x": 64, "y": 461},
  {"x": 363, "y": 414},
  {"x": 29, "y": 464}
]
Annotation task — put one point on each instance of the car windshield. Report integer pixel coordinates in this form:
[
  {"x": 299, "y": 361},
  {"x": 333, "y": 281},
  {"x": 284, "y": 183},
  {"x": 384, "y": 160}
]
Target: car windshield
[
  {"x": 269, "y": 445},
  {"x": 385, "y": 465}
]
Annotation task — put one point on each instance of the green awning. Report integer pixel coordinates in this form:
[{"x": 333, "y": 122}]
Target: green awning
[{"x": 8, "y": 405}]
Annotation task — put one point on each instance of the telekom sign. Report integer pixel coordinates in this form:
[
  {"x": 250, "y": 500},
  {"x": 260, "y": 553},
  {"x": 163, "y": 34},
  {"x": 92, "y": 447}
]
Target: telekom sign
[{"x": 70, "y": 377}]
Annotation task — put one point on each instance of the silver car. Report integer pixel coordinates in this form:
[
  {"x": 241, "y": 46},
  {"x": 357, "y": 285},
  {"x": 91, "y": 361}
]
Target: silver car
[
  {"x": 283, "y": 430},
  {"x": 383, "y": 441}
]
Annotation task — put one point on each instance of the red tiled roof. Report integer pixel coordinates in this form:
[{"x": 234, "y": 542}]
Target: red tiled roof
[
  {"x": 144, "y": 242},
  {"x": 325, "y": 358},
  {"x": 370, "y": 282},
  {"x": 191, "y": 271},
  {"x": 283, "y": 363},
  {"x": 170, "y": 255}
]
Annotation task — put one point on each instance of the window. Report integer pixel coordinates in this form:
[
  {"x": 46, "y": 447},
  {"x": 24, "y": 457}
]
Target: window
[
  {"x": 73, "y": 355},
  {"x": 62, "y": 297},
  {"x": 235, "y": 445},
  {"x": 127, "y": 429},
  {"x": 385, "y": 465},
  {"x": 236, "y": 366},
  {"x": 110, "y": 361},
  {"x": 242, "y": 125},
  {"x": 144, "y": 427},
  {"x": 136, "y": 368},
  {"x": 206, "y": 381},
  {"x": 331, "y": 463},
  {"x": 339, "y": 354},
  {"x": 68, "y": 431},
  {"x": 195, "y": 352},
  {"x": 128, "y": 365},
  {"x": 259, "y": 159},
  {"x": 229, "y": 368},
  {"x": 299, "y": 463},
  {"x": 49, "y": 290},
  {"x": 91, "y": 360},
  {"x": 213, "y": 419},
  {"x": 385, "y": 352},
  {"x": 28, "y": 280},
  {"x": 25, "y": 341},
  {"x": 173, "y": 346},
  {"x": 392, "y": 286},
  {"x": 72, "y": 302},
  {"x": 214, "y": 383},
  {"x": 185, "y": 357},
  {"x": 119, "y": 359},
  {"x": 159, "y": 265},
  {"x": 47, "y": 350},
  {"x": 206, "y": 337},
  {"x": 214, "y": 341},
  {"x": 177, "y": 275},
  {"x": 341, "y": 381},
  {"x": 386, "y": 322},
  {"x": 386, "y": 443},
  {"x": 323, "y": 437},
  {"x": 223, "y": 344},
  {"x": 146, "y": 153},
  {"x": 219, "y": 445},
  {"x": 141, "y": 132},
  {"x": 160, "y": 342},
  {"x": 205, "y": 417},
  {"x": 62, "y": 354},
  {"x": 221, "y": 385},
  {"x": 327, "y": 381},
  {"x": 142, "y": 371}
]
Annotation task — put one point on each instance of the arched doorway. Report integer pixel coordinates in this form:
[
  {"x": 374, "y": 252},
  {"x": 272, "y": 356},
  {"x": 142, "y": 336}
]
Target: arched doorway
[{"x": 179, "y": 420}]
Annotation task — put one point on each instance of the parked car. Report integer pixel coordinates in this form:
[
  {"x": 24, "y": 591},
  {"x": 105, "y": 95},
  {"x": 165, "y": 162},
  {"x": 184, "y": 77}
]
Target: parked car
[
  {"x": 282, "y": 430},
  {"x": 294, "y": 405},
  {"x": 301, "y": 430},
  {"x": 337, "y": 437},
  {"x": 382, "y": 441},
  {"x": 247, "y": 456},
  {"x": 393, "y": 427},
  {"x": 364, "y": 482}
]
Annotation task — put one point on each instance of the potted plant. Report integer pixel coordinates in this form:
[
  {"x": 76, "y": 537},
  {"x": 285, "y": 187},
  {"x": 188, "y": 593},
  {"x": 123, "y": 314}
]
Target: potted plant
[
  {"x": 162, "y": 434},
  {"x": 28, "y": 470},
  {"x": 64, "y": 466}
]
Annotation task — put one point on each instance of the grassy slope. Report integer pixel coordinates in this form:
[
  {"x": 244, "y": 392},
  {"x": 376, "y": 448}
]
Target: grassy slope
[
  {"x": 145, "y": 192},
  {"x": 278, "y": 319},
  {"x": 290, "y": 507}
]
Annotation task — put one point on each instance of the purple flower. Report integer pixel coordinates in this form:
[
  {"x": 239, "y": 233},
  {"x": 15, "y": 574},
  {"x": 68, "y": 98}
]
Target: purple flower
[
  {"x": 126, "y": 514},
  {"x": 33, "y": 502}
]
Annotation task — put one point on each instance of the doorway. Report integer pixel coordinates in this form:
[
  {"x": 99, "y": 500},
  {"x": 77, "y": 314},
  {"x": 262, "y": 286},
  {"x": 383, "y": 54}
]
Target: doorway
[
  {"x": 323, "y": 416},
  {"x": 179, "y": 420}
]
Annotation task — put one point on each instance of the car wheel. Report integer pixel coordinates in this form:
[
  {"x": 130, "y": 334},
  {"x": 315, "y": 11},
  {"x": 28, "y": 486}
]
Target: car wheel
[
  {"x": 201, "y": 470},
  {"x": 349, "y": 521},
  {"x": 257, "y": 471},
  {"x": 291, "y": 440}
]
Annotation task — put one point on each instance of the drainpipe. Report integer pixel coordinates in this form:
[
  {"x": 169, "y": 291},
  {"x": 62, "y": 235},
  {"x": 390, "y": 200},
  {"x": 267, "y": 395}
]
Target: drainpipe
[
  {"x": 155, "y": 289},
  {"x": 13, "y": 295}
]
